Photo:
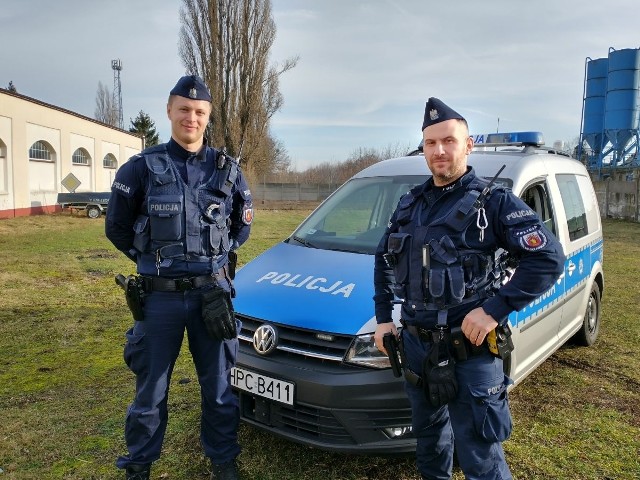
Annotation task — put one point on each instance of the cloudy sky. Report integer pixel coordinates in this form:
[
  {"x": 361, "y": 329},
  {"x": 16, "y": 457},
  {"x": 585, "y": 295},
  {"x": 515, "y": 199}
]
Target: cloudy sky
[{"x": 366, "y": 66}]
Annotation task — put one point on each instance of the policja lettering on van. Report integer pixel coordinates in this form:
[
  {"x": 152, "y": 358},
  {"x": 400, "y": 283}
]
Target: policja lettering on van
[{"x": 310, "y": 282}]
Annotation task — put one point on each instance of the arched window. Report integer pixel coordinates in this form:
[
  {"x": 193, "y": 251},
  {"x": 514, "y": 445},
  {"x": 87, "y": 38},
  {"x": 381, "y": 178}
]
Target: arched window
[
  {"x": 80, "y": 157},
  {"x": 109, "y": 161},
  {"x": 40, "y": 151},
  {"x": 3, "y": 167}
]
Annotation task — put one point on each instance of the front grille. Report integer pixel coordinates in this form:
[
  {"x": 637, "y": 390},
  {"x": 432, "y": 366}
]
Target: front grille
[
  {"x": 300, "y": 342},
  {"x": 311, "y": 423},
  {"x": 328, "y": 426}
]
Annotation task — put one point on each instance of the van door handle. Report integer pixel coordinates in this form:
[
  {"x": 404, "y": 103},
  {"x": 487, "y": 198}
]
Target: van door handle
[{"x": 571, "y": 267}]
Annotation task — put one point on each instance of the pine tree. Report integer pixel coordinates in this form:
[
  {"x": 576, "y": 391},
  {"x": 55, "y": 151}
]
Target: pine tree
[{"x": 143, "y": 125}]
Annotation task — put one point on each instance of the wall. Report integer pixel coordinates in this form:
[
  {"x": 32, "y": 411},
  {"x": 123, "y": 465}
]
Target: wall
[
  {"x": 618, "y": 198},
  {"x": 290, "y": 192}
]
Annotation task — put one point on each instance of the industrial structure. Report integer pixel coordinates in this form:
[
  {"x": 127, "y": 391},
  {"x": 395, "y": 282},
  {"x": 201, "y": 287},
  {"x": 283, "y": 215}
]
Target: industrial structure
[{"x": 610, "y": 126}]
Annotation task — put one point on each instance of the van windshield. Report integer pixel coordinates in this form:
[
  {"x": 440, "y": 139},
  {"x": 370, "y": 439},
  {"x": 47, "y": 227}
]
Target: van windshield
[{"x": 354, "y": 218}]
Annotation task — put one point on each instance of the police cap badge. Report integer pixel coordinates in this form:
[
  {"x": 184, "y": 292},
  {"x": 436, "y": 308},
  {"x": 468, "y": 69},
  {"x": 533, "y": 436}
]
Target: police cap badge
[
  {"x": 436, "y": 111},
  {"x": 191, "y": 86}
]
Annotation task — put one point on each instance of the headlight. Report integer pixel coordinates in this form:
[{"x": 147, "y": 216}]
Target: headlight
[{"x": 364, "y": 352}]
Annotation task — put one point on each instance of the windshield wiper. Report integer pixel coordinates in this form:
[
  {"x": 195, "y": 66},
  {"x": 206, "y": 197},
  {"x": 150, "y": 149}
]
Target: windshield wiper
[
  {"x": 351, "y": 250},
  {"x": 303, "y": 241}
]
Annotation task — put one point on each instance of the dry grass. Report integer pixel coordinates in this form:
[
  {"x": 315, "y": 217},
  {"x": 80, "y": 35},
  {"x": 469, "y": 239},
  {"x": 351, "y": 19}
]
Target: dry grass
[{"x": 64, "y": 388}]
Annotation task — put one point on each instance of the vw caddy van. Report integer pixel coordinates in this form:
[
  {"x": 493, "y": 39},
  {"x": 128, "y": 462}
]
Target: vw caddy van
[{"x": 308, "y": 369}]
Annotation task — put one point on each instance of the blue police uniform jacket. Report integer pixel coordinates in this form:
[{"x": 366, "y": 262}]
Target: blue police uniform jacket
[
  {"x": 177, "y": 213},
  {"x": 444, "y": 253}
]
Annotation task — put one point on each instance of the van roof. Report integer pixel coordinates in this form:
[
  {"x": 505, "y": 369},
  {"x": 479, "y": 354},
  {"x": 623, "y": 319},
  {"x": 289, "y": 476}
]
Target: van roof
[{"x": 522, "y": 165}]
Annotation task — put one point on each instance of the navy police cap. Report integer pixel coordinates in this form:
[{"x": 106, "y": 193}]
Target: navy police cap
[
  {"x": 436, "y": 111},
  {"x": 191, "y": 86}
]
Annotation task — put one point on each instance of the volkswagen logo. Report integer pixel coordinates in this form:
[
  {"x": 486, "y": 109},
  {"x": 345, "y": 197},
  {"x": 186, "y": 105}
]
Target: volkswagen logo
[{"x": 265, "y": 339}]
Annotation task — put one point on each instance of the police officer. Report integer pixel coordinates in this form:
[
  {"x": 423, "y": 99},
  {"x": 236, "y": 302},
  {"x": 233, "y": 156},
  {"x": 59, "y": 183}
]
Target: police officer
[
  {"x": 180, "y": 210},
  {"x": 439, "y": 255}
]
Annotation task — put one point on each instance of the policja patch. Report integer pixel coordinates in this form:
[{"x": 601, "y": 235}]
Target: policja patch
[
  {"x": 532, "y": 239},
  {"x": 247, "y": 215}
]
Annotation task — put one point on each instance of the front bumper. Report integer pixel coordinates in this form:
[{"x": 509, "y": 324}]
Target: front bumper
[{"x": 337, "y": 407}]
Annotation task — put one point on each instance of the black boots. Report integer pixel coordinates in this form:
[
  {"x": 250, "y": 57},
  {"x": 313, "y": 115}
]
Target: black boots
[
  {"x": 224, "y": 471},
  {"x": 138, "y": 472}
]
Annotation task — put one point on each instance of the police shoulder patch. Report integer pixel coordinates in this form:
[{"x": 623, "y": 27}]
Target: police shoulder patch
[
  {"x": 247, "y": 215},
  {"x": 532, "y": 238}
]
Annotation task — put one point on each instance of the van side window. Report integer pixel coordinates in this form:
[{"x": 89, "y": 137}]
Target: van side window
[
  {"x": 574, "y": 207},
  {"x": 537, "y": 198}
]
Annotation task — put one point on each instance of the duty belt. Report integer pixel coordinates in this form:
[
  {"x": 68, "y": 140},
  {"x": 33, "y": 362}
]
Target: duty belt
[
  {"x": 159, "y": 284},
  {"x": 423, "y": 334},
  {"x": 457, "y": 341}
]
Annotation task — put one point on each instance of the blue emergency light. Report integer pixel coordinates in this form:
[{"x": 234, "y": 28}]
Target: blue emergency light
[
  {"x": 509, "y": 138},
  {"x": 522, "y": 139}
]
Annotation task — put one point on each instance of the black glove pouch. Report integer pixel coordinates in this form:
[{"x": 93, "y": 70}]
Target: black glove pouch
[
  {"x": 217, "y": 314},
  {"x": 439, "y": 375}
]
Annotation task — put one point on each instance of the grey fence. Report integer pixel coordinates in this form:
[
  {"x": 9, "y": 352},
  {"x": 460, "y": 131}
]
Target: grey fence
[
  {"x": 618, "y": 198},
  {"x": 291, "y": 192}
]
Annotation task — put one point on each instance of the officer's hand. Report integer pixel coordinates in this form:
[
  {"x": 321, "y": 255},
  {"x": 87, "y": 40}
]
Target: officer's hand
[
  {"x": 477, "y": 324},
  {"x": 381, "y": 329}
]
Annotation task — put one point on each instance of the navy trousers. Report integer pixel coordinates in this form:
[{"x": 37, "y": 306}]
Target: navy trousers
[
  {"x": 476, "y": 422},
  {"x": 151, "y": 351}
]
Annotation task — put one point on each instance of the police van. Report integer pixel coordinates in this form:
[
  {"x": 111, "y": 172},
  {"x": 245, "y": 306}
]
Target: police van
[{"x": 308, "y": 369}]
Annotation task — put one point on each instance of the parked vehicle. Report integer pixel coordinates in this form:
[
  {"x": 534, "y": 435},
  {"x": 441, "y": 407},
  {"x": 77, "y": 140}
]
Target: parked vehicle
[
  {"x": 94, "y": 203},
  {"x": 308, "y": 369}
]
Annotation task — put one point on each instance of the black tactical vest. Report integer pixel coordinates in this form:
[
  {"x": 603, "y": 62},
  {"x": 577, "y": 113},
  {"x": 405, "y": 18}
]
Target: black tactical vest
[
  {"x": 433, "y": 266},
  {"x": 183, "y": 223}
]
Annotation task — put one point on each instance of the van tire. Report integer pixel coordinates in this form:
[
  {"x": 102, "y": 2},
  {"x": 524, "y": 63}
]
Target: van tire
[
  {"x": 93, "y": 211},
  {"x": 588, "y": 333}
]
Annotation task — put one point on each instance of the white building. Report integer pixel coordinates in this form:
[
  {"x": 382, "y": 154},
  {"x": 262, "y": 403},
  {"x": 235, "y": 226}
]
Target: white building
[{"x": 41, "y": 144}]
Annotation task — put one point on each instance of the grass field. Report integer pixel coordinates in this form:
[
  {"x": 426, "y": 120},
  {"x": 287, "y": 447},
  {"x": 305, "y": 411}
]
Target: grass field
[{"x": 64, "y": 388}]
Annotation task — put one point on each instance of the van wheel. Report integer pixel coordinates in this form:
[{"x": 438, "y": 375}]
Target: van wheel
[
  {"x": 93, "y": 212},
  {"x": 587, "y": 335}
]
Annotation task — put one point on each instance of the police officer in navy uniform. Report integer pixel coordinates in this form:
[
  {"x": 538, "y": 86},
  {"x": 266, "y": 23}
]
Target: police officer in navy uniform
[
  {"x": 180, "y": 210},
  {"x": 440, "y": 255}
]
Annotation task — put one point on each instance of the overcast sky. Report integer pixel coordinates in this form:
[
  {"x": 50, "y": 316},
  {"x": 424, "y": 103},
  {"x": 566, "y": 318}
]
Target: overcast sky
[{"x": 366, "y": 66}]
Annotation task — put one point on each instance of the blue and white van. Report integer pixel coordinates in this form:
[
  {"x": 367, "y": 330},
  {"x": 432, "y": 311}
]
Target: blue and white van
[{"x": 308, "y": 369}]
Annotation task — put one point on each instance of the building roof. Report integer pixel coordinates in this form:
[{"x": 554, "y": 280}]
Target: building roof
[{"x": 64, "y": 110}]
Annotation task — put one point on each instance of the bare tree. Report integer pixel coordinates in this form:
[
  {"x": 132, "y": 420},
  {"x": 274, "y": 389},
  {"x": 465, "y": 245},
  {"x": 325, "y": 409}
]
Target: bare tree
[
  {"x": 227, "y": 43},
  {"x": 105, "y": 109},
  {"x": 336, "y": 173}
]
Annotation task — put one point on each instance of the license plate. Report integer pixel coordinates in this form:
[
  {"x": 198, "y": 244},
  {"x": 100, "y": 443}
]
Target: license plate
[{"x": 261, "y": 385}]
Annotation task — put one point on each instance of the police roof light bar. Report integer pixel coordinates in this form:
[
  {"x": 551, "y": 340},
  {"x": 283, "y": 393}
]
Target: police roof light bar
[{"x": 520, "y": 139}]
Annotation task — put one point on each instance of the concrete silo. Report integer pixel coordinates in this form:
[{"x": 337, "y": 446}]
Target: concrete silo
[
  {"x": 595, "y": 91},
  {"x": 611, "y": 111}
]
